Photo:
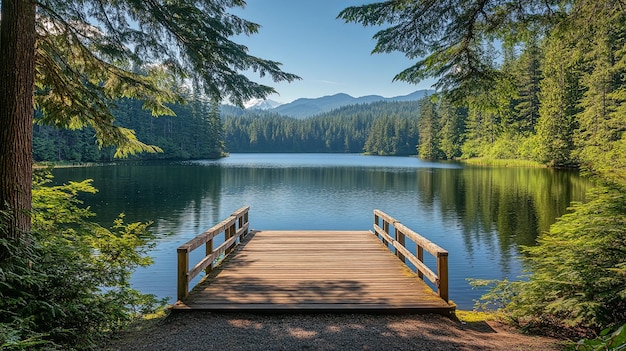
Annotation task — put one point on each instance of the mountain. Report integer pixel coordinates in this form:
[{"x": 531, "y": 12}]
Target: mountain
[
  {"x": 260, "y": 104},
  {"x": 416, "y": 95},
  {"x": 307, "y": 107}
]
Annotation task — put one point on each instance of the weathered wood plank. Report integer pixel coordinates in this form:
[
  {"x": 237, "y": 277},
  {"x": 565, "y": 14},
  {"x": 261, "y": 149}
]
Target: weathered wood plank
[
  {"x": 313, "y": 270},
  {"x": 207, "y": 260},
  {"x": 429, "y": 246}
]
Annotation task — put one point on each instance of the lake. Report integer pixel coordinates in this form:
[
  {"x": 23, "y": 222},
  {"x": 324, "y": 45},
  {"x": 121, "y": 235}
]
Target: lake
[{"x": 481, "y": 215}]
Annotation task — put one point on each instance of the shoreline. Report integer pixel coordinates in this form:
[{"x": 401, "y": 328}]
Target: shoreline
[{"x": 340, "y": 331}]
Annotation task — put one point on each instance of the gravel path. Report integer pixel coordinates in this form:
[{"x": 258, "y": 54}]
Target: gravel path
[{"x": 210, "y": 331}]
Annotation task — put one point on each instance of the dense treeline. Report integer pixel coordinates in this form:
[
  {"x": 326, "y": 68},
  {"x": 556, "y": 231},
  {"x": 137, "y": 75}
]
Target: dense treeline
[
  {"x": 200, "y": 130},
  {"x": 195, "y": 132},
  {"x": 558, "y": 100},
  {"x": 382, "y": 128}
]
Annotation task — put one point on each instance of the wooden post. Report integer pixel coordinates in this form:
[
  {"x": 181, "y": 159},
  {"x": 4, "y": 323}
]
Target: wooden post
[
  {"x": 239, "y": 222},
  {"x": 386, "y": 229},
  {"x": 226, "y": 237},
  {"x": 420, "y": 257},
  {"x": 442, "y": 273},
  {"x": 399, "y": 236},
  {"x": 183, "y": 267},
  {"x": 230, "y": 232},
  {"x": 375, "y": 221},
  {"x": 208, "y": 251}
]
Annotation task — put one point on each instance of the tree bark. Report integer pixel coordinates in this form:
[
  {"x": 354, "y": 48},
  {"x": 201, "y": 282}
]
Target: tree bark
[{"x": 17, "y": 76}]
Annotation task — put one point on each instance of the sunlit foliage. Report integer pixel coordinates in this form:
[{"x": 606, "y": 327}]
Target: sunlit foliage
[{"x": 67, "y": 283}]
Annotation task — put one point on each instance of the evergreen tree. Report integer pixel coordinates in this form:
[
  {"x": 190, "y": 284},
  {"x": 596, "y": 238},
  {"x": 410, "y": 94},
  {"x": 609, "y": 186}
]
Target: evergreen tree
[
  {"x": 88, "y": 54},
  {"x": 380, "y": 138},
  {"x": 457, "y": 51},
  {"x": 215, "y": 133},
  {"x": 528, "y": 79},
  {"x": 601, "y": 137},
  {"x": 428, "y": 126},
  {"x": 559, "y": 97},
  {"x": 452, "y": 120},
  {"x": 483, "y": 125},
  {"x": 17, "y": 78}
]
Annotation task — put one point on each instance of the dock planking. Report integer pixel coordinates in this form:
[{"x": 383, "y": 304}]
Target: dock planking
[{"x": 313, "y": 271}]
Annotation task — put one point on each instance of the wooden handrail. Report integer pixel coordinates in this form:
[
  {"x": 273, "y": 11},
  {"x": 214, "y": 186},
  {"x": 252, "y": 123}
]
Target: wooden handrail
[
  {"x": 234, "y": 228},
  {"x": 440, "y": 279}
]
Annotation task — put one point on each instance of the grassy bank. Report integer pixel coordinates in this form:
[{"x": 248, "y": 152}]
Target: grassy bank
[
  {"x": 50, "y": 164},
  {"x": 482, "y": 161}
]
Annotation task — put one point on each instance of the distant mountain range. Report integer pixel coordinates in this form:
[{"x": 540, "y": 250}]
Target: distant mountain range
[{"x": 307, "y": 107}]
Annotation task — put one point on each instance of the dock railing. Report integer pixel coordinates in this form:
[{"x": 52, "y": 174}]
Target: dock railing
[
  {"x": 234, "y": 228},
  {"x": 397, "y": 240}
]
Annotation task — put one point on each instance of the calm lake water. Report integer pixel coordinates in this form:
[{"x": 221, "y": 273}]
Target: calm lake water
[{"x": 480, "y": 215}]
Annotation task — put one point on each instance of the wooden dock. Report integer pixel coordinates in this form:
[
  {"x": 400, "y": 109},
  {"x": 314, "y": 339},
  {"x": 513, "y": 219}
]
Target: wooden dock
[{"x": 307, "y": 271}]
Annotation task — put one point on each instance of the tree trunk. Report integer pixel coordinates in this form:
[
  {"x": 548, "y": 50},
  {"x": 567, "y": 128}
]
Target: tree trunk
[{"x": 17, "y": 76}]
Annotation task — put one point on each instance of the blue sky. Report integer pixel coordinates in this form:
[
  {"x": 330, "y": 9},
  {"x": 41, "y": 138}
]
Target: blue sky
[{"x": 329, "y": 55}]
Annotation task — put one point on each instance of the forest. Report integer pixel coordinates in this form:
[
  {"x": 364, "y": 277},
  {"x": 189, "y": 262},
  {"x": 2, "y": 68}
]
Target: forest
[
  {"x": 382, "y": 128},
  {"x": 194, "y": 132},
  {"x": 200, "y": 130},
  {"x": 81, "y": 81}
]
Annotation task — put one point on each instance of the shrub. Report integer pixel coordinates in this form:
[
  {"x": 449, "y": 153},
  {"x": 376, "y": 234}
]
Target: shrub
[
  {"x": 578, "y": 278},
  {"x": 67, "y": 282},
  {"x": 606, "y": 341},
  {"x": 579, "y": 266}
]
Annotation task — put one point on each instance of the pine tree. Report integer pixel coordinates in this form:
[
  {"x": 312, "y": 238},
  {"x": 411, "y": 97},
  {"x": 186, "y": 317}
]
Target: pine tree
[
  {"x": 601, "y": 137},
  {"x": 528, "y": 79},
  {"x": 17, "y": 78},
  {"x": 215, "y": 135},
  {"x": 452, "y": 121},
  {"x": 87, "y": 54},
  {"x": 428, "y": 127},
  {"x": 559, "y": 98},
  {"x": 457, "y": 51},
  {"x": 483, "y": 124}
]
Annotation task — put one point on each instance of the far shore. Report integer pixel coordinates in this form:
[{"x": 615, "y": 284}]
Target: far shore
[{"x": 43, "y": 165}]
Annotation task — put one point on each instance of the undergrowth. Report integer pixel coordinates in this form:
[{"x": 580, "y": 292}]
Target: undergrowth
[{"x": 66, "y": 283}]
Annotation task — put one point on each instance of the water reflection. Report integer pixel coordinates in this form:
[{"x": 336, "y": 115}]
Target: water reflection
[{"x": 480, "y": 215}]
